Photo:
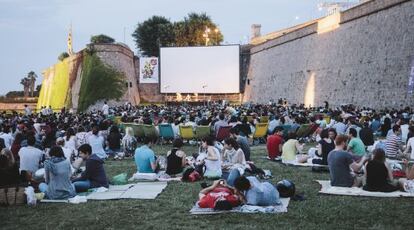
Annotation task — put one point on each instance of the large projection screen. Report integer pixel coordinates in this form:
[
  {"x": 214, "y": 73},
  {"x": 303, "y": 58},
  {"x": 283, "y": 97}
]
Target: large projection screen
[{"x": 209, "y": 69}]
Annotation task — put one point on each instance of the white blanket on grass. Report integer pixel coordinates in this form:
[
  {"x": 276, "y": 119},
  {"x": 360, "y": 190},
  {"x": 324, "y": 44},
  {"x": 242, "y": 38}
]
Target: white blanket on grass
[
  {"x": 196, "y": 210},
  {"x": 326, "y": 188},
  {"x": 141, "y": 190}
]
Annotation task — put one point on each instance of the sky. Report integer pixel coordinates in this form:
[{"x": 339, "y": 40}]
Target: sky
[{"x": 34, "y": 32}]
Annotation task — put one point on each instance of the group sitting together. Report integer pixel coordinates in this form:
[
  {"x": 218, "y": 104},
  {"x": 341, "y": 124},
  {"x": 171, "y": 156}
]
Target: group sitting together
[{"x": 61, "y": 143}]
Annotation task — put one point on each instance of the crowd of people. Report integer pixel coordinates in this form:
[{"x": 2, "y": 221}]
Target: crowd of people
[{"x": 62, "y": 142}]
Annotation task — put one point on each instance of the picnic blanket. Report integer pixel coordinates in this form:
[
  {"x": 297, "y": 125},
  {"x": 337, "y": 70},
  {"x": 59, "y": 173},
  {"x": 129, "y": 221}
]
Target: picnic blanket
[
  {"x": 326, "y": 188},
  {"x": 141, "y": 190},
  {"x": 196, "y": 210},
  {"x": 153, "y": 177},
  {"x": 307, "y": 164}
]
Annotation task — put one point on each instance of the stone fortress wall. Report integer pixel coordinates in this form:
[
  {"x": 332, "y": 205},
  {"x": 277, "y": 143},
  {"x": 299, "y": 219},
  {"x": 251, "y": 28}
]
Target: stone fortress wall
[{"x": 365, "y": 61}]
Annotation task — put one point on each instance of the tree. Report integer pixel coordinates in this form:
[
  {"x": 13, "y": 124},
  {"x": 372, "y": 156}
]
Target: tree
[
  {"x": 31, "y": 76},
  {"x": 102, "y": 39},
  {"x": 26, "y": 85},
  {"x": 63, "y": 55},
  {"x": 195, "y": 30},
  {"x": 151, "y": 34}
]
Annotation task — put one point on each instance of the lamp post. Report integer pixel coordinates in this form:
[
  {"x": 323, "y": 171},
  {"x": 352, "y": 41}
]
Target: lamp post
[
  {"x": 216, "y": 31},
  {"x": 205, "y": 35},
  {"x": 204, "y": 90}
]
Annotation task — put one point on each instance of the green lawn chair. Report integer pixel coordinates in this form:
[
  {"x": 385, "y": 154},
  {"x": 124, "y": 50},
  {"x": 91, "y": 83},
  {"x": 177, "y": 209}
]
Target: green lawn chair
[
  {"x": 202, "y": 131},
  {"x": 150, "y": 132}
]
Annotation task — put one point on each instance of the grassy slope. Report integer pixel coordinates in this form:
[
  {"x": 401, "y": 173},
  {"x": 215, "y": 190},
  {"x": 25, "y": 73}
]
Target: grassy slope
[{"x": 170, "y": 209}]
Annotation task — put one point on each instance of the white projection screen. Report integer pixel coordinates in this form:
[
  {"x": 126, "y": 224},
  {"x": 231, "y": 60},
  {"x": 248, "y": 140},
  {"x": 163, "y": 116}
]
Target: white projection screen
[{"x": 209, "y": 69}]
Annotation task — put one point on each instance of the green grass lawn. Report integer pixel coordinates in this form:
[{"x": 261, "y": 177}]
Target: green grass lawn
[{"x": 170, "y": 210}]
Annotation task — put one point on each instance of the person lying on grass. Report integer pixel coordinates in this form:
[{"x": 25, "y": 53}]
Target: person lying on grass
[
  {"x": 255, "y": 192},
  {"x": 219, "y": 196},
  {"x": 342, "y": 167},
  {"x": 94, "y": 175}
]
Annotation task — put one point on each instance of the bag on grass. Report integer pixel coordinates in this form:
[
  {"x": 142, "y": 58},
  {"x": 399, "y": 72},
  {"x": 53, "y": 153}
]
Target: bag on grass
[
  {"x": 12, "y": 195},
  {"x": 120, "y": 179}
]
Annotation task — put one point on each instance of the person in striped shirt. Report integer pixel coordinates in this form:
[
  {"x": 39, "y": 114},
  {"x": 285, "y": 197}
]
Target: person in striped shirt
[{"x": 393, "y": 144}]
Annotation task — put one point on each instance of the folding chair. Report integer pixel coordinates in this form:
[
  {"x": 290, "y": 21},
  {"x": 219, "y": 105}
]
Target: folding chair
[
  {"x": 150, "y": 132},
  {"x": 260, "y": 132},
  {"x": 264, "y": 119},
  {"x": 166, "y": 132},
  {"x": 223, "y": 133},
  {"x": 186, "y": 132},
  {"x": 202, "y": 131}
]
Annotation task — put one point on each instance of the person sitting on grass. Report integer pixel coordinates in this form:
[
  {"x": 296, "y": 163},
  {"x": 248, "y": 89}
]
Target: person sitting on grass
[
  {"x": 378, "y": 175},
  {"x": 242, "y": 141},
  {"x": 97, "y": 143},
  {"x": 355, "y": 145},
  {"x": 274, "y": 143},
  {"x": 341, "y": 163},
  {"x": 145, "y": 157},
  {"x": 57, "y": 176},
  {"x": 129, "y": 142},
  {"x": 30, "y": 157},
  {"x": 9, "y": 171},
  {"x": 219, "y": 196},
  {"x": 94, "y": 175},
  {"x": 325, "y": 146},
  {"x": 291, "y": 150},
  {"x": 256, "y": 192},
  {"x": 212, "y": 162},
  {"x": 176, "y": 158},
  {"x": 407, "y": 184}
]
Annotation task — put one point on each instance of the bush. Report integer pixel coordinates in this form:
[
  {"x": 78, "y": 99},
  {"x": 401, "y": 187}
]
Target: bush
[
  {"x": 102, "y": 39},
  {"x": 62, "y": 56},
  {"x": 99, "y": 82}
]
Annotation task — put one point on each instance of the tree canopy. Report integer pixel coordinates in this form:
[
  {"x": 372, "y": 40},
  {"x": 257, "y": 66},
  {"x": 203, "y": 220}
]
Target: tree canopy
[
  {"x": 63, "y": 55},
  {"x": 193, "y": 30},
  {"x": 102, "y": 39},
  {"x": 151, "y": 34}
]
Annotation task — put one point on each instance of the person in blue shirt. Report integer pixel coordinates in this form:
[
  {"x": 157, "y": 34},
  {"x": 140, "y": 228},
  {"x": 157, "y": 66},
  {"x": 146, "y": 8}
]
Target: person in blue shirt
[
  {"x": 145, "y": 158},
  {"x": 256, "y": 192}
]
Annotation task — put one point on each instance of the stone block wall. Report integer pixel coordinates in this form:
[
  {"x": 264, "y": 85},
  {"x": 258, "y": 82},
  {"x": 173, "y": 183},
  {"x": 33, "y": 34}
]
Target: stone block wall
[{"x": 366, "y": 61}]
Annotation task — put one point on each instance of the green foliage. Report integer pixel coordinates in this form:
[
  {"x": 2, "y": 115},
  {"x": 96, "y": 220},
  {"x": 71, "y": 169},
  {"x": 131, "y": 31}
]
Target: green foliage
[
  {"x": 13, "y": 94},
  {"x": 63, "y": 55},
  {"x": 102, "y": 39},
  {"x": 153, "y": 33},
  {"x": 99, "y": 82},
  {"x": 192, "y": 31}
]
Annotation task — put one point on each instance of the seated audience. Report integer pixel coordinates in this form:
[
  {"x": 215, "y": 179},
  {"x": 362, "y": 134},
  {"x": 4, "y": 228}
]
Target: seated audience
[
  {"x": 274, "y": 143},
  {"x": 30, "y": 157},
  {"x": 57, "y": 176},
  {"x": 94, "y": 175},
  {"x": 256, "y": 192},
  {"x": 341, "y": 163},
  {"x": 145, "y": 157},
  {"x": 366, "y": 135},
  {"x": 378, "y": 175},
  {"x": 325, "y": 146},
  {"x": 114, "y": 141},
  {"x": 212, "y": 162},
  {"x": 97, "y": 143},
  {"x": 242, "y": 141},
  {"x": 393, "y": 144},
  {"x": 176, "y": 158},
  {"x": 291, "y": 150},
  {"x": 129, "y": 142},
  {"x": 9, "y": 171},
  {"x": 407, "y": 184},
  {"x": 355, "y": 145},
  {"x": 219, "y": 196}
]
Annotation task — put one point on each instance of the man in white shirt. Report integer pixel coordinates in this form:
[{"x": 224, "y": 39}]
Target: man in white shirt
[
  {"x": 30, "y": 156},
  {"x": 105, "y": 109},
  {"x": 273, "y": 124},
  {"x": 27, "y": 110},
  {"x": 6, "y": 136}
]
